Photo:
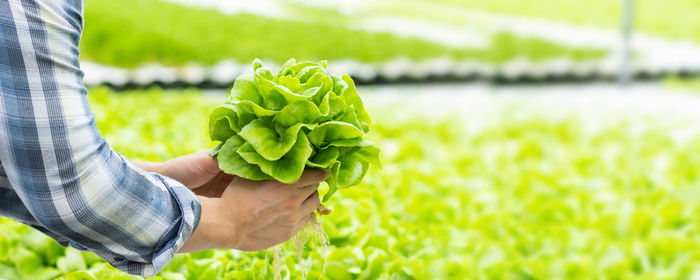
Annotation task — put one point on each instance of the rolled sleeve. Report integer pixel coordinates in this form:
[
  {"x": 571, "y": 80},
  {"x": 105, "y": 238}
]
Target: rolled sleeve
[
  {"x": 172, "y": 239},
  {"x": 60, "y": 175},
  {"x": 190, "y": 210}
]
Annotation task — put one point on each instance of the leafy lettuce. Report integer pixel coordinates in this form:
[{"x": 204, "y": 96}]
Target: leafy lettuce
[{"x": 274, "y": 125}]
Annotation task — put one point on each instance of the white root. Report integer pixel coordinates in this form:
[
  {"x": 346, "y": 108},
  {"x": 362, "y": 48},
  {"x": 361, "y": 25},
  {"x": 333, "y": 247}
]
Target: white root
[
  {"x": 312, "y": 231},
  {"x": 277, "y": 262}
]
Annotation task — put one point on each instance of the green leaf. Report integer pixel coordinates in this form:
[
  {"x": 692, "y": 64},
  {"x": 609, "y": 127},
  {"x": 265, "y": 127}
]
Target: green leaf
[
  {"x": 288, "y": 95},
  {"x": 8, "y": 272},
  {"x": 173, "y": 276},
  {"x": 287, "y": 68},
  {"x": 35, "y": 241},
  {"x": 27, "y": 262},
  {"x": 352, "y": 170},
  {"x": 53, "y": 252},
  {"x": 354, "y": 142},
  {"x": 204, "y": 269},
  {"x": 261, "y": 135},
  {"x": 257, "y": 64},
  {"x": 91, "y": 258},
  {"x": 288, "y": 168},
  {"x": 350, "y": 116},
  {"x": 47, "y": 273},
  {"x": 302, "y": 111},
  {"x": 78, "y": 275},
  {"x": 291, "y": 67},
  {"x": 323, "y": 85},
  {"x": 338, "y": 270},
  {"x": 232, "y": 163},
  {"x": 223, "y": 122},
  {"x": 272, "y": 99},
  {"x": 315, "y": 82},
  {"x": 339, "y": 84},
  {"x": 309, "y": 71},
  {"x": 244, "y": 89},
  {"x": 332, "y": 131},
  {"x": 239, "y": 275},
  {"x": 253, "y": 108},
  {"x": 353, "y": 99},
  {"x": 215, "y": 151},
  {"x": 72, "y": 261},
  {"x": 332, "y": 106},
  {"x": 332, "y": 181},
  {"x": 375, "y": 265},
  {"x": 369, "y": 154},
  {"x": 324, "y": 158},
  {"x": 292, "y": 83}
]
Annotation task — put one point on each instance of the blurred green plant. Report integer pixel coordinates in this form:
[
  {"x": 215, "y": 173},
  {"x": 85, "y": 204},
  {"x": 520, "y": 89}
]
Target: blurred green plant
[
  {"x": 125, "y": 118},
  {"x": 130, "y": 32},
  {"x": 520, "y": 195},
  {"x": 676, "y": 19}
]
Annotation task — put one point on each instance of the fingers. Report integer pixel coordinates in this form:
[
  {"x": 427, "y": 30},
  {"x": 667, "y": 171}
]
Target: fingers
[
  {"x": 310, "y": 204},
  {"x": 294, "y": 193},
  {"x": 310, "y": 177},
  {"x": 302, "y": 194},
  {"x": 192, "y": 170},
  {"x": 205, "y": 162}
]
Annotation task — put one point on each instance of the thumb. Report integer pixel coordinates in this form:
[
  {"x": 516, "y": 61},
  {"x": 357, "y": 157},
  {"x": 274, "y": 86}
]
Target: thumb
[
  {"x": 192, "y": 170},
  {"x": 205, "y": 163}
]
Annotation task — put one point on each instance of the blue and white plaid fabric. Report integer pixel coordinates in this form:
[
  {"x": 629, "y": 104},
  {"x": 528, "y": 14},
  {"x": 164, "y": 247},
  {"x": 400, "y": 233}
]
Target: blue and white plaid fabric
[{"x": 57, "y": 173}]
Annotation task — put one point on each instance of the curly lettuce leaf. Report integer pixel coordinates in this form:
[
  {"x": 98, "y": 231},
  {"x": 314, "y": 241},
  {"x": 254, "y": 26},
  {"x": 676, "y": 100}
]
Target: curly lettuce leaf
[
  {"x": 289, "y": 167},
  {"x": 231, "y": 162}
]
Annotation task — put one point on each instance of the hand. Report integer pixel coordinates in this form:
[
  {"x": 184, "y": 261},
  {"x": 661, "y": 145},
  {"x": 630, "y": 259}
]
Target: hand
[
  {"x": 255, "y": 215},
  {"x": 198, "y": 171}
]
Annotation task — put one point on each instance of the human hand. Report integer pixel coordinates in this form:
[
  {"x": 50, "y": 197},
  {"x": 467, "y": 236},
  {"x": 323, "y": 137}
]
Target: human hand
[
  {"x": 255, "y": 215},
  {"x": 198, "y": 171}
]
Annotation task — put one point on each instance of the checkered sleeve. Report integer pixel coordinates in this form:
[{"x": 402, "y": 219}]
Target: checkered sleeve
[{"x": 60, "y": 174}]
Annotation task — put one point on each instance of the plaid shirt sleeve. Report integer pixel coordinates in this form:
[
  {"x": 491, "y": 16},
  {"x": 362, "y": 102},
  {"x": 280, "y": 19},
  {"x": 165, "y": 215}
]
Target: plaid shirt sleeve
[{"x": 57, "y": 173}]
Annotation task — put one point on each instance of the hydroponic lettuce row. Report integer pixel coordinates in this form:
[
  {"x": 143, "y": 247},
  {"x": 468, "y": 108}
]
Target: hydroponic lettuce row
[{"x": 274, "y": 125}]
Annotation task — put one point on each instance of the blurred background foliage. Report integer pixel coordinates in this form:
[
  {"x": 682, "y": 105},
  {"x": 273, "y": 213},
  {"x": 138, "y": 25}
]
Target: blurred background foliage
[
  {"x": 573, "y": 181},
  {"x": 116, "y": 28},
  {"x": 510, "y": 192}
]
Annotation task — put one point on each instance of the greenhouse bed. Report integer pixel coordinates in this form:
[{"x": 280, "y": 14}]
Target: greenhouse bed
[{"x": 223, "y": 74}]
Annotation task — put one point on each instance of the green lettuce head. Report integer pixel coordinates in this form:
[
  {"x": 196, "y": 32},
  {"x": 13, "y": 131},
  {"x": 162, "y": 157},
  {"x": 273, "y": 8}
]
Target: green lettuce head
[{"x": 274, "y": 125}]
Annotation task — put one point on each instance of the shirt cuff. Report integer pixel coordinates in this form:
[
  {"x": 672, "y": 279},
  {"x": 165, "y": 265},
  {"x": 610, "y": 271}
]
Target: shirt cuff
[{"x": 190, "y": 210}]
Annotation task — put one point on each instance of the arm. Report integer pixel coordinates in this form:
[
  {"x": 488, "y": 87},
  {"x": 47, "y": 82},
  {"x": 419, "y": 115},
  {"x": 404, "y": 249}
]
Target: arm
[{"x": 67, "y": 177}]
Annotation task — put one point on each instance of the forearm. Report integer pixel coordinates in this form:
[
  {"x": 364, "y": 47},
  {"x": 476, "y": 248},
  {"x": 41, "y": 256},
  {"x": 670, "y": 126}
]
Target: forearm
[{"x": 211, "y": 233}]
